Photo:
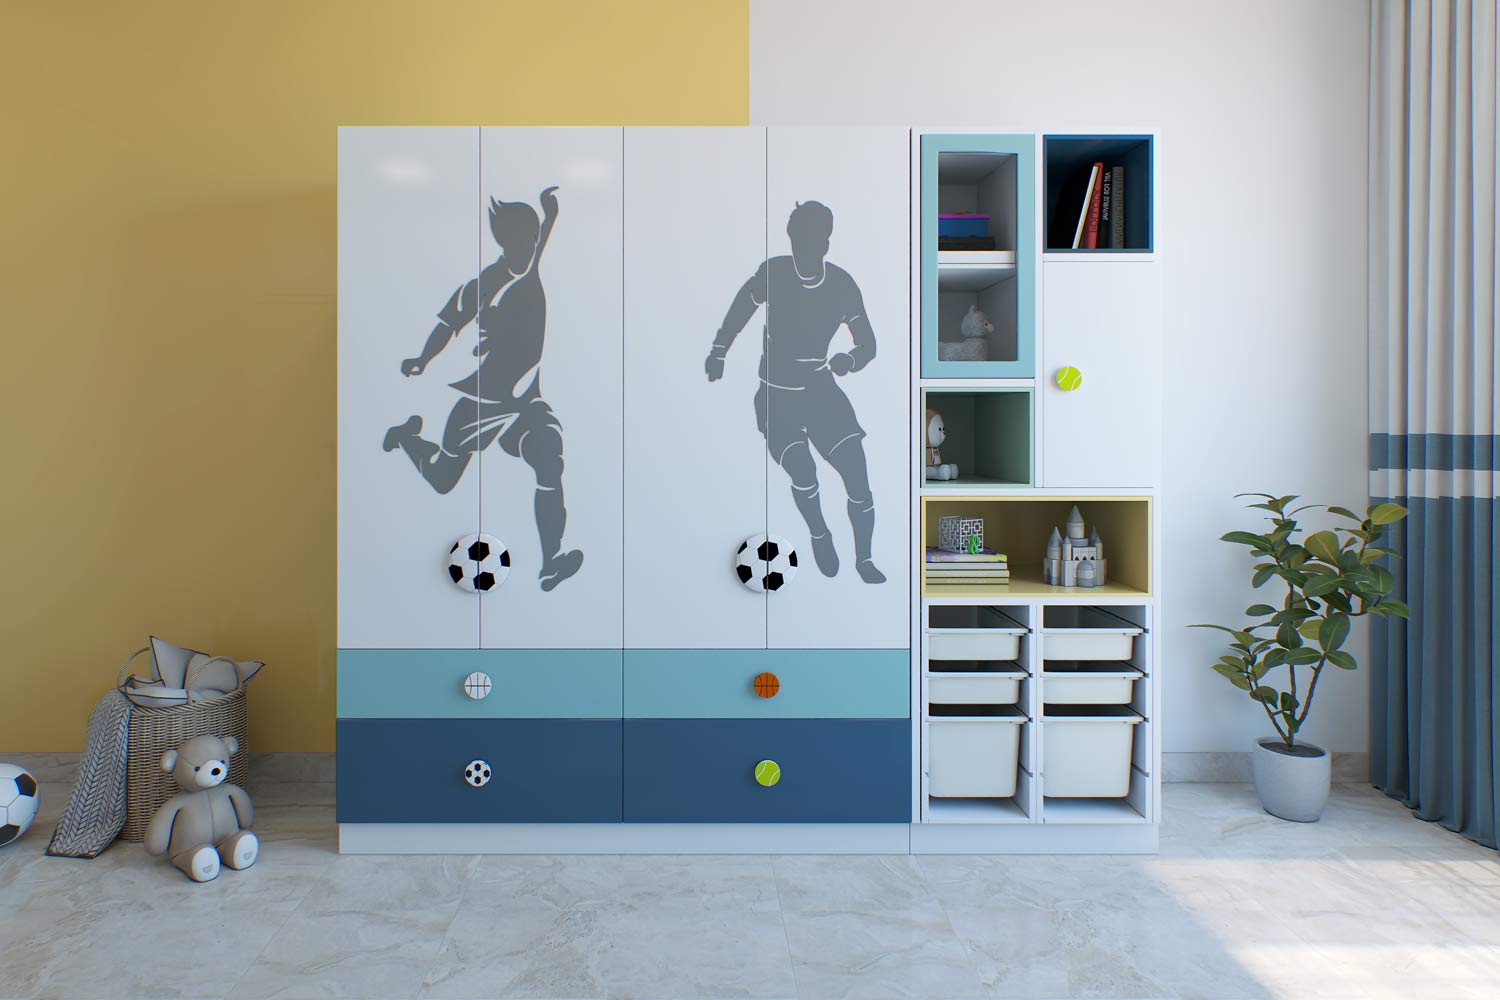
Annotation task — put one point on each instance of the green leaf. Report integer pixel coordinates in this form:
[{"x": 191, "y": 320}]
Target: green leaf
[
  {"x": 1381, "y": 579},
  {"x": 1320, "y": 584},
  {"x": 1303, "y": 656},
  {"x": 1334, "y": 630},
  {"x": 1371, "y": 554},
  {"x": 1287, "y": 636},
  {"x": 1310, "y": 628},
  {"x": 1338, "y": 602},
  {"x": 1323, "y": 545},
  {"x": 1275, "y": 658},
  {"x": 1259, "y": 611},
  {"x": 1387, "y": 513},
  {"x": 1246, "y": 538},
  {"x": 1263, "y": 572},
  {"x": 1288, "y": 702},
  {"x": 1342, "y": 660},
  {"x": 1265, "y": 694},
  {"x": 1291, "y": 723},
  {"x": 1392, "y": 608},
  {"x": 1345, "y": 512}
]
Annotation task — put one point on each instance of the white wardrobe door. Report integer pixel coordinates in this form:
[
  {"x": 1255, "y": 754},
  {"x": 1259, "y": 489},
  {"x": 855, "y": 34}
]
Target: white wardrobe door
[
  {"x": 551, "y": 384},
  {"x": 695, "y": 471},
  {"x": 1103, "y": 317},
  {"x": 860, "y": 176},
  {"x": 406, "y": 245}
]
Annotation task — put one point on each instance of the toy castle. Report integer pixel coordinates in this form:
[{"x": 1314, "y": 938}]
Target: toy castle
[{"x": 1074, "y": 559}]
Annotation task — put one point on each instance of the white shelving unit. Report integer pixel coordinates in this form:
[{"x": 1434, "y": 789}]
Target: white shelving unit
[{"x": 1121, "y": 317}]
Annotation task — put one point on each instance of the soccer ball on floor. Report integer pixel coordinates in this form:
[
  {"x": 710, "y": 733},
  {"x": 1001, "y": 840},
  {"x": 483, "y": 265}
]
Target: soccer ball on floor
[
  {"x": 765, "y": 562},
  {"x": 478, "y": 562},
  {"x": 18, "y": 801}
]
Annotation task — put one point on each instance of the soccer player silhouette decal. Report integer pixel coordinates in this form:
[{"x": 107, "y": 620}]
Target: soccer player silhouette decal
[
  {"x": 800, "y": 405},
  {"x": 502, "y": 400}
]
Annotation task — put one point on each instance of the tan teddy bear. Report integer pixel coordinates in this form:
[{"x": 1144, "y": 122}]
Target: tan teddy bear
[{"x": 209, "y": 820}]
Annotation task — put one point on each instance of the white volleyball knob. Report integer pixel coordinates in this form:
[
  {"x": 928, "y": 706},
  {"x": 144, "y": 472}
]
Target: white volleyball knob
[
  {"x": 477, "y": 685},
  {"x": 477, "y": 773}
]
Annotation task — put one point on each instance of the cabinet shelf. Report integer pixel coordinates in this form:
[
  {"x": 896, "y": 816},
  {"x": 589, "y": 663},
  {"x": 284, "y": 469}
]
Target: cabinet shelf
[
  {"x": 973, "y": 275},
  {"x": 1026, "y": 582},
  {"x": 1019, "y": 526},
  {"x": 944, "y": 810}
]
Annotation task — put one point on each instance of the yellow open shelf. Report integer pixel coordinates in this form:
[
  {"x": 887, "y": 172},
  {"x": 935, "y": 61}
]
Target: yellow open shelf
[{"x": 1019, "y": 525}]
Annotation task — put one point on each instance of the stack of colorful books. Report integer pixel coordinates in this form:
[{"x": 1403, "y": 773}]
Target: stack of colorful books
[{"x": 983, "y": 568}]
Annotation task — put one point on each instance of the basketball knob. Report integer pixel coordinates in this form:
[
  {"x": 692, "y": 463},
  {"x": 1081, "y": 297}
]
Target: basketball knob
[
  {"x": 477, "y": 773},
  {"x": 767, "y": 773},
  {"x": 1068, "y": 378},
  {"x": 767, "y": 684},
  {"x": 477, "y": 686}
]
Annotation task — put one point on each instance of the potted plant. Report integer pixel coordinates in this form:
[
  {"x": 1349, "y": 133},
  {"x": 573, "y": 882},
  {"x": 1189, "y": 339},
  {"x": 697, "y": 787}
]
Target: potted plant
[{"x": 1331, "y": 578}]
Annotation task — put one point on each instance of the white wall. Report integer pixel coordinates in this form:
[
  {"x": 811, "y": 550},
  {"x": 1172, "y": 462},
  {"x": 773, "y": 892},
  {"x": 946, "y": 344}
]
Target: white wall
[{"x": 1261, "y": 110}]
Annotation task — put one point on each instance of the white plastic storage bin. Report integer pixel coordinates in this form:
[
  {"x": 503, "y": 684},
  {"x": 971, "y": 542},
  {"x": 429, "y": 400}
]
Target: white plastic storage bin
[
  {"x": 972, "y": 632},
  {"x": 1092, "y": 682},
  {"x": 975, "y": 754},
  {"x": 1086, "y": 751},
  {"x": 973, "y": 686},
  {"x": 1071, "y": 632}
]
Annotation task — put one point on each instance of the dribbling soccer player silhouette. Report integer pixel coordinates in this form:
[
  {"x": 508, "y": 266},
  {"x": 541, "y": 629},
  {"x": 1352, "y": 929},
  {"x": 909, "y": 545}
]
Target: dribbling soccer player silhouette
[
  {"x": 502, "y": 400},
  {"x": 799, "y": 405}
]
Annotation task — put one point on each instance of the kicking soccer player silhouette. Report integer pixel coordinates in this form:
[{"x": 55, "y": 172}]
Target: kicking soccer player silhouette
[
  {"x": 799, "y": 405},
  {"x": 503, "y": 398}
]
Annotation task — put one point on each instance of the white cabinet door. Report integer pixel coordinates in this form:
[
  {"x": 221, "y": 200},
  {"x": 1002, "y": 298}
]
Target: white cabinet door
[
  {"x": 547, "y": 235},
  {"x": 695, "y": 471},
  {"x": 406, "y": 247},
  {"x": 838, "y": 396},
  {"x": 1103, "y": 317}
]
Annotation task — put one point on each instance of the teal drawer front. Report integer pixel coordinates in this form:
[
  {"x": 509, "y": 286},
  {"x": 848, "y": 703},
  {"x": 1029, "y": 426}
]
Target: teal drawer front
[
  {"x": 813, "y": 683},
  {"x": 526, "y": 683}
]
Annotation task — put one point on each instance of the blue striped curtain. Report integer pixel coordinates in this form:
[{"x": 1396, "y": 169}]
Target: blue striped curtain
[{"x": 1434, "y": 371}]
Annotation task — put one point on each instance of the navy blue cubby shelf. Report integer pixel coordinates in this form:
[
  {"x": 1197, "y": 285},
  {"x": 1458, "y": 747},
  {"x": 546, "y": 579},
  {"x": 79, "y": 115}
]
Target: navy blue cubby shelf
[{"x": 1066, "y": 160}]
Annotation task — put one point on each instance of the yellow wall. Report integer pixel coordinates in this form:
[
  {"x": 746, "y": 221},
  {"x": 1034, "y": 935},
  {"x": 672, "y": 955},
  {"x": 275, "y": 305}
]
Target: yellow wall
[{"x": 168, "y": 304}]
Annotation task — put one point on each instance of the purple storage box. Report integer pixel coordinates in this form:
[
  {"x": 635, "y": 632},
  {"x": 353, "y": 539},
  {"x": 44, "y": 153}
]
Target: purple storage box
[{"x": 963, "y": 224}]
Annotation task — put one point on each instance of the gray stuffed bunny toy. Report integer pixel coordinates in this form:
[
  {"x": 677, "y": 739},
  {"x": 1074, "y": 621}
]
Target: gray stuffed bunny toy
[{"x": 209, "y": 821}]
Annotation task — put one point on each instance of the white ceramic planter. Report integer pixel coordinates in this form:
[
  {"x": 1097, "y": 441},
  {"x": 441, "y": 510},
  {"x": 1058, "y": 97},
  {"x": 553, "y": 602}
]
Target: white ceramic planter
[{"x": 1291, "y": 787}]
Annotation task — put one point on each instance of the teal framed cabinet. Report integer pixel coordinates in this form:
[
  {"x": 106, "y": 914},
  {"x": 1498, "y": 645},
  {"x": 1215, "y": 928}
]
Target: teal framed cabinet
[
  {"x": 634, "y": 494},
  {"x": 977, "y": 254}
]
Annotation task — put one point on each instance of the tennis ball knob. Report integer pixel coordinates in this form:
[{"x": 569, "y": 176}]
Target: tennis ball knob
[
  {"x": 767, "y": 773},
  {"x": 1068, "y": 378},
  {"x": 767, "y": 684}
]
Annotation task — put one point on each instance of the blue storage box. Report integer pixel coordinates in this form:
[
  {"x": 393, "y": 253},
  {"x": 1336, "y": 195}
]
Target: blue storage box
[{"x": 963, "y": 224}]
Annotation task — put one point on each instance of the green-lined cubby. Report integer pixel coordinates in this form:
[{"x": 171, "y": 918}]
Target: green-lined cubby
[{"x": 988, "y": 436}]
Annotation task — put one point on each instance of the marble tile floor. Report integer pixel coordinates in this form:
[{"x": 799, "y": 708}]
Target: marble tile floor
[{"x": 1370, "y": 903}]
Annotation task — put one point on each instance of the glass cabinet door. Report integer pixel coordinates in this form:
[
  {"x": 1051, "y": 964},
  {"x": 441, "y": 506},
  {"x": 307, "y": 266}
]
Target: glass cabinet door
[{"x": 978, "y": 253}]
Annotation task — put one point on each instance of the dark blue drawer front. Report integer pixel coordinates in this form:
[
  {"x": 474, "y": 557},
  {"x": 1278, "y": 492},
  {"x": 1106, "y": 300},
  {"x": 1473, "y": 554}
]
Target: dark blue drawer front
[
  {"x": 544, "y": 770},
  {"x": 703, "y": 770}
]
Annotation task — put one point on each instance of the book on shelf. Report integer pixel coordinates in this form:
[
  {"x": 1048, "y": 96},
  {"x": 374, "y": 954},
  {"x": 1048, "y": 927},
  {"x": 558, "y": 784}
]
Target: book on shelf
[
  {"x": 1096, "y": 195},
  {"x": 982, "y": 556},
  {"x": 963, "y": 571},
  {"x": 1106, "y": 199},
  {"x": 966, "y": 242},
  {"x": 1085, "y": 207},
  {"x": 1116, "y": 227},
  {"x": 1080, "y": 220}
]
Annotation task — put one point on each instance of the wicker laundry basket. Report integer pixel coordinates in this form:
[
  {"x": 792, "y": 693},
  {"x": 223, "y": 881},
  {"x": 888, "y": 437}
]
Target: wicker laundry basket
[{"x": 154, "y": 731}]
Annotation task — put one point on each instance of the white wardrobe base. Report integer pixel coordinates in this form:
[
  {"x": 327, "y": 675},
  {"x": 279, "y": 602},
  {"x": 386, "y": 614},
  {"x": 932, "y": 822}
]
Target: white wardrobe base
[{"x": 742, "y": 838}]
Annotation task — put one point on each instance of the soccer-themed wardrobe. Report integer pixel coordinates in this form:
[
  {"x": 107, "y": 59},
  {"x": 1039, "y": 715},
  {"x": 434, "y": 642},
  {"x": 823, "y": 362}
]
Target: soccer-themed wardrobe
[{"x": 624, "y": 482}]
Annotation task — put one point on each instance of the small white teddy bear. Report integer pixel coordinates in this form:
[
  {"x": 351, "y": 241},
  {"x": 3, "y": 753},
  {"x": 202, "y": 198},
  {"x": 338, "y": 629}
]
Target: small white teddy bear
[
  {"x": 976, "y": 329},
  {"x": 935, "y": 437}
]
